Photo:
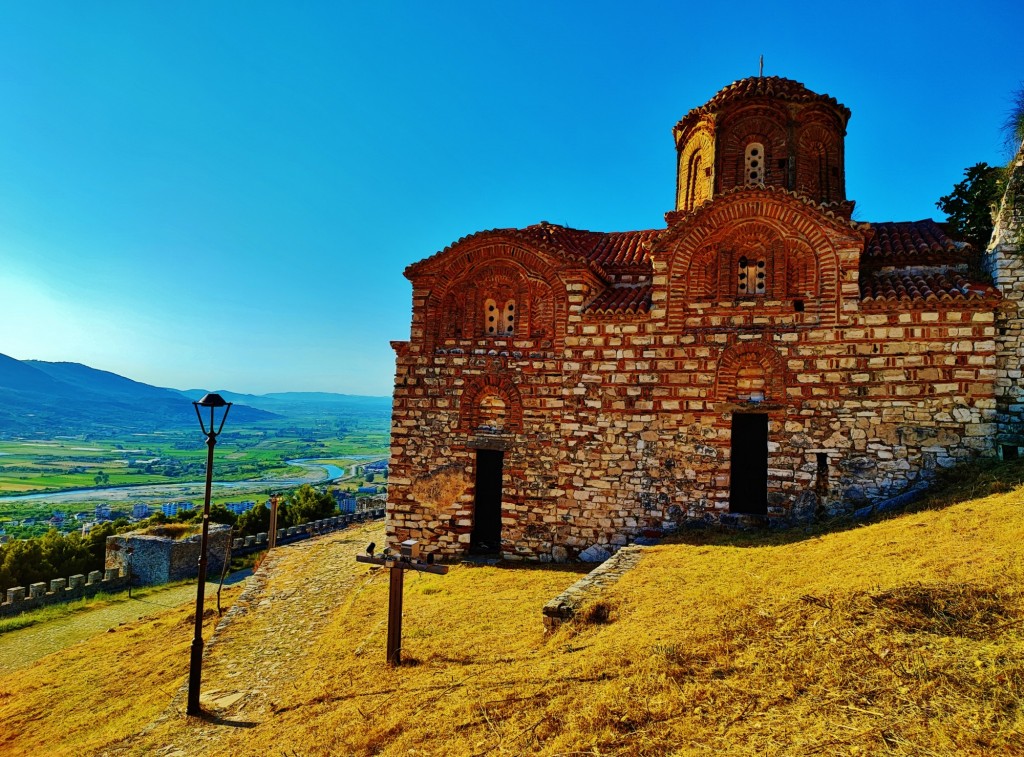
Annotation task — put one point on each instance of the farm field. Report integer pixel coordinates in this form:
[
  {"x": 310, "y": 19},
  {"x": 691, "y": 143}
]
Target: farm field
[{"x": 155, "y": 461}]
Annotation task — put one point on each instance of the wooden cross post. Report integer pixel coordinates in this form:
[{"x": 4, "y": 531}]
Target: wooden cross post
[
  {"x": 408, "y": 558},
  {"x": 272, "y": 536}
]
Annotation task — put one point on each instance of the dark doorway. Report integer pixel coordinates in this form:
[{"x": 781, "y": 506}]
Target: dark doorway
[
  {"x": 748, "y": 488},
  {"x": 487, "y": 512}
]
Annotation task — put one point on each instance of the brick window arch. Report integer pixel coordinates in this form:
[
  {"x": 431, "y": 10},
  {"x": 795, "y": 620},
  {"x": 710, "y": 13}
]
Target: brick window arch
[
  {"x": 750, "y": 372},
  {"x": 490, "y": 403}
]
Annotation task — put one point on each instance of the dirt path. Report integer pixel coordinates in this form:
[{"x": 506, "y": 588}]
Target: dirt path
[
  {"x": 21, "y": 648},
  {"x": 260, "y": 644}
]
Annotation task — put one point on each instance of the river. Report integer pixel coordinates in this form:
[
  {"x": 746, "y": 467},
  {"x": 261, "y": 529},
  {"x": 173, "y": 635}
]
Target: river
[{"x": 316, "y": 473}]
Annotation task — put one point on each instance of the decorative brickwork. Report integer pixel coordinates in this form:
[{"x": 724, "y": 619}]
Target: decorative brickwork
[{"x": 631, "y": 393}]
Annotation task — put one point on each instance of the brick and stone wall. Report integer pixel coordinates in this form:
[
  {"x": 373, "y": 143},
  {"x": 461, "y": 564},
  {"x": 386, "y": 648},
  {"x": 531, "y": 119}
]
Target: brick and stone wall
[{"x": 621, "y": 362}]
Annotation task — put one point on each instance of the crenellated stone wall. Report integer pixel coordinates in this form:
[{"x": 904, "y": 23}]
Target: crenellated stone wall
[{"x": 38, "y": 595}]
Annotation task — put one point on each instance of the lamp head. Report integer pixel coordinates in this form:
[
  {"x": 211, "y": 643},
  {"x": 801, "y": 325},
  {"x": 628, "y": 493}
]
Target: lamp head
[
  {"x": 370, "y": 547},
  {"x": 212, "y": 401}
]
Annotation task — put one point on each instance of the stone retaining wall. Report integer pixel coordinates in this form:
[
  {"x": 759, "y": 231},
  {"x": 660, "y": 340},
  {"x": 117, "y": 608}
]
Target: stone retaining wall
[
  {"x": 587, "y": 589},
  {"x": 159, "y": 560}
]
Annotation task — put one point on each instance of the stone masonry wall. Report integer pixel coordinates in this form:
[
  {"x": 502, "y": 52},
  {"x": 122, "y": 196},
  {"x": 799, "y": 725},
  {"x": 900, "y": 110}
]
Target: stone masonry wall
[
  {"x": 157, "y": 560},
  {"x": 1004, "y": 260},
  {"x": 627, "y": 431}
]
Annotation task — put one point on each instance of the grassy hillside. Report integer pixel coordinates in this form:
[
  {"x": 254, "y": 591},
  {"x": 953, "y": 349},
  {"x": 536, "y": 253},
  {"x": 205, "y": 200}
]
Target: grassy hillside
[{"x": 904, "y": 636}]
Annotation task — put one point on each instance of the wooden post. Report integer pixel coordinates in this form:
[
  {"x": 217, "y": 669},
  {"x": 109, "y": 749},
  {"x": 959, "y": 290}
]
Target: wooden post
[
  {"x": 395, "y": 616},
  {"x": 272, "y": 536},
  {"x": 408, "y": 559}
]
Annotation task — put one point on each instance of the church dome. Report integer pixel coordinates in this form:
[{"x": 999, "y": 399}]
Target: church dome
[{"x": 764, "y": 130}]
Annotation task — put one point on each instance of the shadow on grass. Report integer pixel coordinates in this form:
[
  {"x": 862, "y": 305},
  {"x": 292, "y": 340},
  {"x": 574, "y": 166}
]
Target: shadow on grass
[
  {"x": 951, "y": 486},
  {"x": 215, "y": 719}
]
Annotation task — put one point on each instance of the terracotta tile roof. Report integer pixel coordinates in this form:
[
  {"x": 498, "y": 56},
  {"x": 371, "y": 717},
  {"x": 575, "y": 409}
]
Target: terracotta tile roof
[
  {"x": 622, "y": 299},
  {"x": 624, "y": 248},
  {"x": 613, "y": 252},
  {"x": 775, "y": 87},
  {"x": 913, "y": 243},
  {"x": 908, "y": 286}
]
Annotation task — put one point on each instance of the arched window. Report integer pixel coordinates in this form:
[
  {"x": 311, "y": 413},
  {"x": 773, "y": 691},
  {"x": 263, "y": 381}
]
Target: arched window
[
  {"x": 752, "y": 276},
  {"x": 499, "y": 321},
  {"x": 753, "y": 161},
  {"x": 693, "y": 171}
]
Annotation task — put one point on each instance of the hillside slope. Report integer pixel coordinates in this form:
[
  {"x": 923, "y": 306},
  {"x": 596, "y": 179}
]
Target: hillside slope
[
  {"x": 43, "y": 398},
  {"x": 904, "y": 636}
]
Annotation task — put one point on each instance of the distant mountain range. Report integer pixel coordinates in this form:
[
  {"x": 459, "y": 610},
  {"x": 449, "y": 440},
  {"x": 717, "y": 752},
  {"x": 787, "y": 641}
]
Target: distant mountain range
[{"x": 37, "y": 397}]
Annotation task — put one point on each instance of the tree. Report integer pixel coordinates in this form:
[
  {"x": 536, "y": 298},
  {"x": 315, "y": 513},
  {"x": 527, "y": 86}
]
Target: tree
[
  {"x": 96, "y": 540},
  {"x": 220, "y": 514},
  {"x": 306, "y": 504},
  {"x": 972, "y": 202},
  {"x": 256, "y": 520},
  {"x": 1013, "y": 127}
]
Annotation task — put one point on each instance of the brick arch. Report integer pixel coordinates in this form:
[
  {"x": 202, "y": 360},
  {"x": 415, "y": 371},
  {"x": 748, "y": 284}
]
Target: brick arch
[
  {"x": 819, "y": 172},
  {"x": 692, "y": 247},
  {"x": 500, "y": 271},
  {"x": 712, "y": 267},
  {"x": 696, "y": 158},
  {"x": 763, "y": 124},
  {"x": 480, "y": 400},
  {"x": 749, "y": 359}
]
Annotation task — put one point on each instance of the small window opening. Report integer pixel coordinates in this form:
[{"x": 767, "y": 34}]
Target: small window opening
[
  {"x": 508, "y": 318},
  {"x": 491, "y": 317},
  {"x": 1011, "y": 452},
  {"x": 798, "y": 306},
  {"x": 751, "y": 277},
  {"x": 754, "y": 163},
  {"x": 822, "y": 463}
]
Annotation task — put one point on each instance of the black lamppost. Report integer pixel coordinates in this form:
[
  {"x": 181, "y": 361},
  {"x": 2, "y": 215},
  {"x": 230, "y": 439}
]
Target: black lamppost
[{"x": 195, "y": 670}]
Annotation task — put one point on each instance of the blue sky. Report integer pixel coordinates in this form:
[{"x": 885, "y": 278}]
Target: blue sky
[{"x": 225, "y": 194}]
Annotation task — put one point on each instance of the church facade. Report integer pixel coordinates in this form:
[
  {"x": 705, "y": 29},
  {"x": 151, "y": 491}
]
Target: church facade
[{"x": 761, "y": 358}]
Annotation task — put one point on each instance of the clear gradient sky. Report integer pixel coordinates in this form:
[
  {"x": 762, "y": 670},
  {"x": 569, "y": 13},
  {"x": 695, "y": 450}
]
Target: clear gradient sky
[{"x": 225, "y": 194}]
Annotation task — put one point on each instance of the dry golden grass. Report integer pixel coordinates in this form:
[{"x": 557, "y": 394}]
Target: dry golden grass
[
  {"x": 902, "y": 637},
  {"x": 95, "y": 694}
]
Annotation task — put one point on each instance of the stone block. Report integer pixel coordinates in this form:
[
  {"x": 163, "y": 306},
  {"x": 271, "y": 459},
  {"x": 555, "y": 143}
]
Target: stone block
[
  {"x": 37, "y": 590},
  {"x": 15, "y": 594},
  {"x": 57, "y": 585},
  {"x": 77, "y": 581}
]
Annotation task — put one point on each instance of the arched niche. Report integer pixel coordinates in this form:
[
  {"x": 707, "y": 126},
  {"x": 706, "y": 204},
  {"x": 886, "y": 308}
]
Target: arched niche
[
  {"x": 750, "y": 372},
  {"x": 695, "y": 183},
  {"x": 819, "y": 173},
  {"x": 490, "y": 404}
]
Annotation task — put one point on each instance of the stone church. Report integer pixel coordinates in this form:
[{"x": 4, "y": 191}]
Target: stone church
[{"x": 760, "y": 359}]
